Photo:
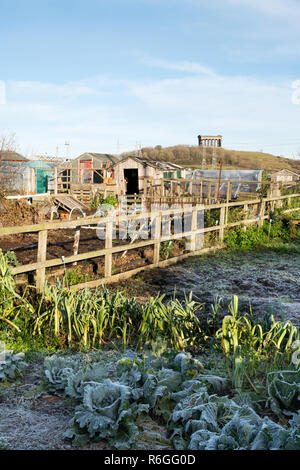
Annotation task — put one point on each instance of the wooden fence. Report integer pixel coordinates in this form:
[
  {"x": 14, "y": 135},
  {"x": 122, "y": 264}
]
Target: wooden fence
[
  {"x": 208, "y": 190},
  {"x": 260, "y": 208},
  {"x": 82, "y": 183}
]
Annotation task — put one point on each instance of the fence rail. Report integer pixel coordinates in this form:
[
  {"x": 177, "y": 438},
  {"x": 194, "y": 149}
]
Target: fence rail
[
  {"x": 208, "y": 190},
  {"x": 260, "y": 207}
]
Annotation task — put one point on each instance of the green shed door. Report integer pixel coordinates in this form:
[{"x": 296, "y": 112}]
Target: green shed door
[{"x": 41, "y": 181}]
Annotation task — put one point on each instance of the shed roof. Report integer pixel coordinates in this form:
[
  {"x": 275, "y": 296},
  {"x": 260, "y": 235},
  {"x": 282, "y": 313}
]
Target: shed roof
[
  {"x": 284, "y": 170},
  {"x": 163, "y": 166},
  {"x": 11, "y": 156},
  {"x": 105, "y": 157},
  {"x": 39, "y": 164}
]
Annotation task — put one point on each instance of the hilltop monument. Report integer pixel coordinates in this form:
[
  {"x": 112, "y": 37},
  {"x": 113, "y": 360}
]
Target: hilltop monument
[{"x": 210, "y": 140}]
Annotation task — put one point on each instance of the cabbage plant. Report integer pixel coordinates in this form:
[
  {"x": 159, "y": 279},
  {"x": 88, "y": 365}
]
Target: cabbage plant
[
  {"x": 244, "y": 431},
  {"x": 57, "y": 371},
  {"x": 105, "y": 413},
  {"x": 90, "y": 374},
  {"x": 283, "y": 387},
  {"x": 11, "y": 364}
]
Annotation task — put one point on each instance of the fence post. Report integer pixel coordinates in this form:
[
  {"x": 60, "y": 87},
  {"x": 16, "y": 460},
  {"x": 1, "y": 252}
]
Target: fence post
[
  {"x": 161, "y": 188},
  {"x": 209, "y": 192},
  {"x": 246, "y": 209},
  {"x": 33, "y": 180},
  {"x": 261, "y": 213},
  {"x": 222, "y": 222},
  {"x": 55, "y": 181},
  {"x": 272, "y": 206},
  {"x": 191, "y": 239},
  {"x": 194, "y": 228},
  {"x": 157, "y": 237},
  {"x": 228, "y": 197},
  {"x": 41, "y": 258},
  {"x": 76, "y": 243},
  {"x": 216, "y": 191},
  {"x": 108, "y": 244}
]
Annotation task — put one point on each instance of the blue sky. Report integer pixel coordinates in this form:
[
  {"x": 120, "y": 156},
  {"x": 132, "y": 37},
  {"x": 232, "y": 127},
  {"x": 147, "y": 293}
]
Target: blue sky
[{"x": 106, "y": 74}]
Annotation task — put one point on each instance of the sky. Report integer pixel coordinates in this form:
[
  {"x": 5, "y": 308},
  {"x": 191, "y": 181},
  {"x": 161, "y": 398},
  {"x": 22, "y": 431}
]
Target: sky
[{"x": 112, "y": 75}]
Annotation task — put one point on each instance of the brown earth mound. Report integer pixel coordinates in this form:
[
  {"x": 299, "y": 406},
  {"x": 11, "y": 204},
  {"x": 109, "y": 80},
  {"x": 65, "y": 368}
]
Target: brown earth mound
[{"x": 14, "y": 212}]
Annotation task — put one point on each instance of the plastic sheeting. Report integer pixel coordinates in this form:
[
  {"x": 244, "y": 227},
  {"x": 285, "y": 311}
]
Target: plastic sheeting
[{"x": 231, "y": 175}]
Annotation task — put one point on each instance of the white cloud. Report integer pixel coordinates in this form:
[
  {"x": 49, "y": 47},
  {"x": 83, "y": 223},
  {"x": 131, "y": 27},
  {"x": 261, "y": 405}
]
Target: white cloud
[
  {"x": 47, "y": 90},
  {"x": 233, "y": 106},
  {"x": 184, "y": 66},
  {"x": 163, "y": 111}
]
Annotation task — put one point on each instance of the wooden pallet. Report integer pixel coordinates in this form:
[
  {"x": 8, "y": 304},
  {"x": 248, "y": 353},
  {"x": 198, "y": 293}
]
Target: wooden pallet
[
  {"x": 82, "y": 192},
  {"x": 68, "y": 203}
]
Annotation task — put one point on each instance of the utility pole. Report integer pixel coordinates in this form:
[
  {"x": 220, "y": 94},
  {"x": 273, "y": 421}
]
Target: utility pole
[
  {"x": 67, "y": 145},
  {"x": 138, "y": 149},
  {"x": 219, "y": 180}
]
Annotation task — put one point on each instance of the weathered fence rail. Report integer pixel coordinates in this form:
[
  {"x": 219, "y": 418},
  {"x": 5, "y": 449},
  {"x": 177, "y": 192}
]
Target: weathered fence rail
[
  {"x": 208, "y": 190},
  {"x": 261, "y": 207}
]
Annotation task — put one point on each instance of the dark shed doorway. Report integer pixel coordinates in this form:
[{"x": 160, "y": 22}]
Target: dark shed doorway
[
  {"x": 131, "y": 181},
  {"x": 98, "y": 176}
]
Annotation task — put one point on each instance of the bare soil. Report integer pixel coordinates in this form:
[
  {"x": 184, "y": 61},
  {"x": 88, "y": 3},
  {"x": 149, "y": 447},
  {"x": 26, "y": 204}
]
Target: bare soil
[{"x": 267, "y": 280}]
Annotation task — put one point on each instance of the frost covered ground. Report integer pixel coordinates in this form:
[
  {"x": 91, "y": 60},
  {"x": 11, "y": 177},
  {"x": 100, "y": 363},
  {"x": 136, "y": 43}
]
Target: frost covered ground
[
  {"x": 107, "y": 400},
  {"x": 268, "y": 280},
  {"x": 34, "y": 417},
  {"x": 31, "y": 418}
]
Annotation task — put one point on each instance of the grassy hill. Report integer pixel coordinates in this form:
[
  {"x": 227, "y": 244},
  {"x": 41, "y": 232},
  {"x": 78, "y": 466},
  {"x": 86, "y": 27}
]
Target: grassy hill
[{"x": 194, "y": 157}]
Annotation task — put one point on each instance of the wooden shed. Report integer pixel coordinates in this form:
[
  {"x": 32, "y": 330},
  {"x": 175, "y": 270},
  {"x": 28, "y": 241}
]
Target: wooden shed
[
  {"x": 84, "y": 167},
  {"x": 130, "y": 173},
  {"x": 285, "y": 176}
]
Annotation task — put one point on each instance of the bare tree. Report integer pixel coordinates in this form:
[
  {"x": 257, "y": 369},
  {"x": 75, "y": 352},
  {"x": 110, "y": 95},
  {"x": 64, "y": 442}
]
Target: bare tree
[{"x": 7, "y": 144}]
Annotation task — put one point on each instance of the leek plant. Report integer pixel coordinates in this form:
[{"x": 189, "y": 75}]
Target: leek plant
[
  {"x": 11, "y": 303},
  {"x": 247, "y": 345}
]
